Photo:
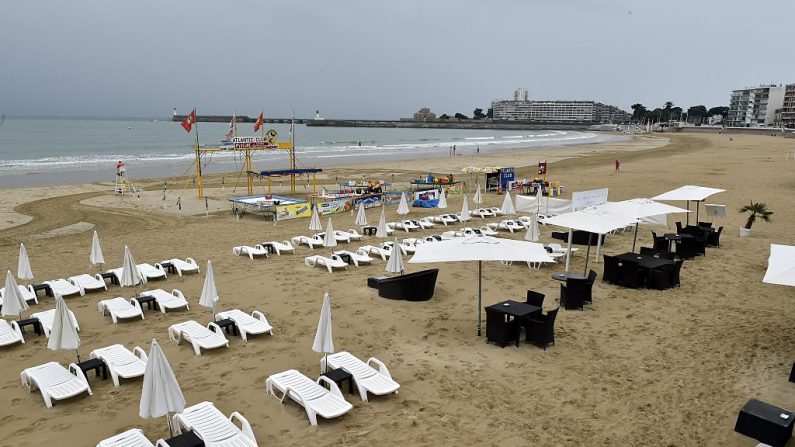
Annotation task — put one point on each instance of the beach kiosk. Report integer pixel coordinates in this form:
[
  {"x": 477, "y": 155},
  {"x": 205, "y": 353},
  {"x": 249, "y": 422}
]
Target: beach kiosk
[
  {"x": 448, "y": 183},
  {"x": 271, "y": 206},
  {"x": 500, "y": 179}
]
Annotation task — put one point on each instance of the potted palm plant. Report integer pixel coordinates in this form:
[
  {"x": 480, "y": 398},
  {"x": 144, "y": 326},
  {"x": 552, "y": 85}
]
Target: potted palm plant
[{"x": 757, "y": 210}]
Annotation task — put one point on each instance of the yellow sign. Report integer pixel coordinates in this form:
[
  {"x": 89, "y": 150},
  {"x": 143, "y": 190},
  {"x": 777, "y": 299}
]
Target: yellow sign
[{"x": 285, "y": 145}]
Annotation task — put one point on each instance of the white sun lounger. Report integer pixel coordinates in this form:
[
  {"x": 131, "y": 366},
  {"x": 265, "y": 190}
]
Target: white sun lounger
[
  {"x": 257, "y": 250},
  {"x": 413, "y": 241},
  {"x": 557, "y": 248},
  {"x": 118, "y": 272},
  {"x": 330, "y": 263},
  {"x": 189, "y": 265},
  {"x": 133, "y": 437},
  {"x": 63, "y": 288},
  {"x": 279, "y": 247},
  {"x": 468, "y": 231},
  {"x": 496, "y": 211},
  {"x": 10, "y": 333},
  {"x": 451, "y": 234},
  {"x": 120, "y": 308},
  {"x": 316, "y": 400},
  {"x": 485, "y": 229},
  {"x": 446, "y": 219},
  {"x": 405, "y": 225},
  {"x": 253, "y": 324},
  {"x": 55, "y": 382},
  {"x": 87, "y": 282},
  {"x": 373, "y": 250},
  {"x": 151, "y": 272},
  {"x": 122, "y": 363},
  {"x": 405, "y": 249},
  {"x": 310, "y": 241},
  {"x": 215, "y": 429},
  {"x": 367, "y": 379},
  {"x": 354, "y": 235},
  {"x": 167, "y": 301},
  {"x": 360, "y": 257},
  {"x": 508, "y": 225},
  {"x": 199, "y": 336},
  {"x": 339, "y": 236},
  {"x": 426, "y": 223},
  {"x": 26, "y": 291},
  {"x": 47, "y": 317}
]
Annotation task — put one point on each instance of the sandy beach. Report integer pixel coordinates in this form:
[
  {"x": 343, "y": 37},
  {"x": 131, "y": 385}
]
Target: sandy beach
[{"x": 638, "y": 367}]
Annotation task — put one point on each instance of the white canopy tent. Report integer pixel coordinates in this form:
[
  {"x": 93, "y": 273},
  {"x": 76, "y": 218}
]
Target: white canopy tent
[
  {"x": 642, "y": 208},
  {"x": 324, "y": 340},
  {"x": 381, "y": 230},
  {"x": 545, "y": 205},
  {"x": 209, "y": 297},
  {"x": 13, "y": 301},
  {"x": 781, "y": 265},
  {"x": 442, "y": 199},
  {"x": 403, "y": 207},
  {"x": 329, "y": 239},
  {"x": 160, "y": 393},
  {"x": 96, "y": 252},
  {"x": 594, "y": 219},
  {"x": 477, "y": 199},
  {"x": 480, "y": 248},
  {"x": 507, "y": 205},
  {"x": 23, "y": 266},
  {"x": 361, "y": 216},
  {"x": 63, "y": 334},
  {"x": 689, "y": 193},
  {"x": 314, "y": 222},
  {"x": 395, "y": 263}
]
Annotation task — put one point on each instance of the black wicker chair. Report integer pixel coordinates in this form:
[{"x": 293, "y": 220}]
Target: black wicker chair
[
  {"x": 535, "y": 298},
  {"x": 713, "y": 240},
  {"x": 660, "y": 278},
  {"x": 677, "y": 268},
  {"x": 632, "y": 276},
  {"x": 575, "y": 293},
  {"x": 679, "y": 228},
  {"x": 541, "y": 331},
  {"x": 648, "y": 251},
  {"x": 612, "y": 270}
]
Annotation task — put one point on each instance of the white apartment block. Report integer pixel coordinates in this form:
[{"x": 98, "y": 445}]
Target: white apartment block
[
  {"x": 755, "y": 106},
  {"x": 562, "y": 112},
  {"x": 520, "y": 94}
]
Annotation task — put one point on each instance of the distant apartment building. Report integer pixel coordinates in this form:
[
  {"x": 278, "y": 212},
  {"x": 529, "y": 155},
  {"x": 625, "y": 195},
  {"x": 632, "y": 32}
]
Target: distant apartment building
[
  {"x": 520, "y": 94},
  {"x": 561, "y": 112},
  {"x": 755, "y": 106},
  {"x": 788, "y": 107}
]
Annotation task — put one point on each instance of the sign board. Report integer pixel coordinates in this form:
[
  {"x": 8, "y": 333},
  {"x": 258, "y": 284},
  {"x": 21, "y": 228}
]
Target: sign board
[
  {"x": 285, "y": 145},
  {"x": 333, "y": 207},
  {"x": 542, "y": 168},
  {"x": 584, "y": 199},
  {"x": 253, "y": 143},
  {"x": 507, "y": 175},
  {"x": 715, "y": 210},
  {"x": 430, "y": 194}
]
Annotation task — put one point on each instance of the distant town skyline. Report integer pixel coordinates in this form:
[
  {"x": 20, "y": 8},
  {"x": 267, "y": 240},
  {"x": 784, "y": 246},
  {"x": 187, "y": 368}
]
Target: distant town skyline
[{"x": 361, "y": 59}]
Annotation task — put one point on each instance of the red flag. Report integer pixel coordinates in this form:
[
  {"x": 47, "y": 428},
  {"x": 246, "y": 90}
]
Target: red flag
[
  {"x": 259, "y": 122},
  {"x": 189, "y": 120}
]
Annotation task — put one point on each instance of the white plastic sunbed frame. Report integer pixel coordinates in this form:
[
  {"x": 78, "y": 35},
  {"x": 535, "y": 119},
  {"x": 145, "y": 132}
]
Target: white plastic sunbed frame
[
  {"x": 47, "y": 318},
  {"x": 280, "y": 247},
  {"x": 133, "y": 437},
  {"x": 64, "y": 288},
  {"x": 10, "y": 333},
  {"x": 253, "y": 324},
  {"x": 257, "y": 250},
  {"x": 120, "y": 308},
  {"x": 367, "y": 379},
  {"x": 359, "y": 257},
  {"x": 167, "y": 301},
  {"x": 122, "y": 363},
  {"x": 86, "y": 282},
  {"x": 55, "y": 382},
  {"x": 316, "y": 400},
  {"x": 150, "y": 272},
  {"x": 214, "y": 428},
  {"x": 189, "y": 265},
  {"x": 200, "y": 337},
  {"x": 26, "y": 291},
  {"x": 334, "y": 262},
  {"x": 373, "y": 250},
  {"x": 310, "y": 241}
]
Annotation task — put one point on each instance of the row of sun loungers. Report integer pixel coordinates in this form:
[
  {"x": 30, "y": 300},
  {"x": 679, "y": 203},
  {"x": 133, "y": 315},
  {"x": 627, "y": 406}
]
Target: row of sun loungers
[{"x": 205, "y": 420}]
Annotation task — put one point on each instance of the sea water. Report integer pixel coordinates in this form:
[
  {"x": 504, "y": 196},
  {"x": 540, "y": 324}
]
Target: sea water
[{"x": 59, "y": 151}]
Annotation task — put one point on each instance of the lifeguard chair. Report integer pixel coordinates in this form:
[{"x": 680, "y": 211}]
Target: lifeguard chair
[{"x": 122, "y": 182}]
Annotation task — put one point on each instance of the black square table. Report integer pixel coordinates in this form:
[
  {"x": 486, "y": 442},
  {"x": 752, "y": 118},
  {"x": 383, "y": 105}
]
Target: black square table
[
  {"x": 187, "y": 439},
  {"x": 94, "y": 364},
  {"x": 112, "y": 277},
  {"x": 499, "y": 326},
  {"x": 339, "y": 376},
  {"x": 676, "y": 238},
  {"x": 765, "y": 423},
  {"x": 369, "y": 231},
  {"x": 227, "y": 324},
  {"x": 562, "y": 276},
  {"x": 645, "y": 261},
  {"x": 150, "y": 301},
  {"x": 30, "y": 322},
  {"x": 169, "y": 267},
  {"x": 45, "y": 287}
]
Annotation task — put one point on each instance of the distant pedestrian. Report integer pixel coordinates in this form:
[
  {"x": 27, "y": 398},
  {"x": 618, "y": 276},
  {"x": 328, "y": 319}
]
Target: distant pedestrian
[
  {"x": 478, "y": 150},
  {"x": 454, "y": 149},
  {"x": 451, "y": 151},
  {"x": 618, "y": 166}
]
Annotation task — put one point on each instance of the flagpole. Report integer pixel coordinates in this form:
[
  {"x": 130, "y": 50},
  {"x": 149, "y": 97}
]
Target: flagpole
[
  {"x": 198, "y": 158},
  {"x": 292, "y": 152}
]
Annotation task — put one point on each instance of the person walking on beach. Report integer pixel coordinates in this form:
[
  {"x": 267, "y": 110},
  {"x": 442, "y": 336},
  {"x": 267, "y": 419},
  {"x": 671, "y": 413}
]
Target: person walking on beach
[
  {"x": 454, "y": 149},
  {"x": 451, "y": 151},
  {"x": 618, "y": 166},
  {"x": 477, "y": 151}
]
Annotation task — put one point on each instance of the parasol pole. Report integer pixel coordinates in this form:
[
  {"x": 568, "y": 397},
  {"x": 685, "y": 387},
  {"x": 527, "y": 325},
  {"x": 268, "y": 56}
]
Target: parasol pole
[
  {"x": 480, "y": 293},
  {"x": 568, "y": 252},
  {"x": 635, "y": 239}
]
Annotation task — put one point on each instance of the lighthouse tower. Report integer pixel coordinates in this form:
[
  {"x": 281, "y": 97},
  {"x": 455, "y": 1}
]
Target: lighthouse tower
[{"x": 175, "y": 113}]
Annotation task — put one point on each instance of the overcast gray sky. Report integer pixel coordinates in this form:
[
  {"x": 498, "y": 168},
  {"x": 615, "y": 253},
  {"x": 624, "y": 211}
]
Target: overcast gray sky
[{"x": 380, "y": 59}]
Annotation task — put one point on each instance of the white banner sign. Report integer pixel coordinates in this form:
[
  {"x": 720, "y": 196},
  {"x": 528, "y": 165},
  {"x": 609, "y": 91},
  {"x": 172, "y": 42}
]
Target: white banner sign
[{"x": 584, "y": 199}]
